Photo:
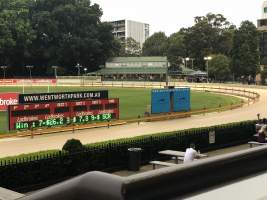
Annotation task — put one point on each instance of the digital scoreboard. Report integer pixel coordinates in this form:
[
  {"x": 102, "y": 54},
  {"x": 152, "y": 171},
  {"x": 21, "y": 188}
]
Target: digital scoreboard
[{"x": 38, "y": 115}]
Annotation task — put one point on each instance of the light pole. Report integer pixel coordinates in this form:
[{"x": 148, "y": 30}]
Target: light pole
[
  {"x": 192, "y": 59},
  {"x": 55, "y": 70},
  {"x": 85, "y": 70},
  {"x": 29, "y": 67},
  {"x": 78, "y": 66},
  {"x": 186, "y": 59},
  {"x": 207, "y": 60},
  {"x": 167, "y": 74},
  {"x": 4, "y": 70}
]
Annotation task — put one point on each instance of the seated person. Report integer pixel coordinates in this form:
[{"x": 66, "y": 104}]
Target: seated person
[
  {"x": 190, "y": 154},
  {"x": 261, "y": 138},
  {"x": 260, "y": 124},
  {"x": 262, "y": 133}
]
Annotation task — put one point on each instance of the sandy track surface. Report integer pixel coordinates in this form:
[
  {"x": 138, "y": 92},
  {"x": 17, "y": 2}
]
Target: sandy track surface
[{"x": 15, "y": 146}]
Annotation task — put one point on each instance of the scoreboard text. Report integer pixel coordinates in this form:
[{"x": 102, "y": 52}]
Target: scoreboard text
[{"x": 30, "y": 116}]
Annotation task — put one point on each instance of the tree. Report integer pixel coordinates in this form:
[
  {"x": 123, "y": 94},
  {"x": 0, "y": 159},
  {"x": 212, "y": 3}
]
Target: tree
[
  {"x": 73, "y": 146},
  {"x": 263, "y": 77},
  {"x": 219, "y": 67},
  {"x": 211, "y": 34},
  {"x": 156, "y": 45},
  {"x": 245, "y": 54},
  {"x": 54, "y": 32},
  {"x": 70, "y": 32},
  {"x": 130, "y": 47},
  {"x": 176, "y": 49},
  {"x": 16, "y": 33}
]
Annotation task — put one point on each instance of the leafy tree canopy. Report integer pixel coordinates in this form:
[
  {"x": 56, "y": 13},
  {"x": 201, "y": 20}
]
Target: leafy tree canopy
[
  {"x": 211, "y": 34},
  {"x": 156, "y": 45},
  {"x": 176, "y": 50},
  {"x": 219, "y": 67},
  {"x": 130, "y": 47},
  {"x": 53, "y": 32},
  {"x": 245, "y": 54}
]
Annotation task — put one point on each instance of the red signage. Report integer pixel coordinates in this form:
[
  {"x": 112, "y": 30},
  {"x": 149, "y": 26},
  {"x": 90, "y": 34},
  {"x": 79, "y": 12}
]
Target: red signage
[
  {"x": 26, "y": 116},
  {"x": 27, "y": 81},
  {"x": 8, "y": 82},
  {"x": 7, "y": 99}
]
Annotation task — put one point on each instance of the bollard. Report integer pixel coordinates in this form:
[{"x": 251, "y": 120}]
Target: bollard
[
  {"x": 32, "y": 132},
  {"x": 108, "y": 123},
  {"x": 220, "y": 107},
  {"x": 138, "y": 122},
  {"x": 204, "y": 108}
]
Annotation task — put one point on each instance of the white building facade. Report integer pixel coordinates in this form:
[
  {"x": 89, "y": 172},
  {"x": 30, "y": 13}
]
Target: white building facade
[
  {"x": 124, "y": 29},
  {"x": 262, "y": 27}
]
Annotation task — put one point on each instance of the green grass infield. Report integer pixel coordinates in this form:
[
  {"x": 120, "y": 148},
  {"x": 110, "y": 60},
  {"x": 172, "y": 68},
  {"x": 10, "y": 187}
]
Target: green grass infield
[{"x": 133, "y": 101}]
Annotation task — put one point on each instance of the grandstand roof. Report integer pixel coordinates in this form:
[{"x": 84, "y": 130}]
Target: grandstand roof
[
  {"x": 138, "y": 59},
  {"x": 186, "y": 70},
  {"x": 128, "y": 70}
]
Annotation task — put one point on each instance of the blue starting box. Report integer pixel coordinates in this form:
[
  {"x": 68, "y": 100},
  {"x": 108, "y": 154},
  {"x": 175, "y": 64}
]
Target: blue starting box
[{"x": 170, "y": 100}]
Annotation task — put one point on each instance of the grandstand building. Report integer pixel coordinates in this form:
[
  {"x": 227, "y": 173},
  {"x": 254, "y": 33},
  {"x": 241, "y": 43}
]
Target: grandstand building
[
  {"x": 262, "y": 27},
  {"x": 145, "y": 69},
  {"x": 135, "y": 68}
]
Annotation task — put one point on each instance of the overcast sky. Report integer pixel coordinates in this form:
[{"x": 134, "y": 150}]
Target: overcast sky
[{"x": 171, "y": 15}]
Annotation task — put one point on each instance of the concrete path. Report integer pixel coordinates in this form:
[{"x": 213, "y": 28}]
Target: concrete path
[
  {"x": 249, "y": 188},
  {"x": 15, "y": 146},
  {"x": 6, "y": 194}
]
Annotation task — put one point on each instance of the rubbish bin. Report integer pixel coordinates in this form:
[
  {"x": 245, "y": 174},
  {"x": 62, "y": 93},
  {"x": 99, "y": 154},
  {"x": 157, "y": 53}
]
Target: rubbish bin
[{"x": 134, "y": 159}]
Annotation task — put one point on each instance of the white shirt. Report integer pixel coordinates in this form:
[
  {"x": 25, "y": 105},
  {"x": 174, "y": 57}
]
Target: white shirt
[
  {"x": 190, "y": 155},
  {"x": 263, "y": 129}
]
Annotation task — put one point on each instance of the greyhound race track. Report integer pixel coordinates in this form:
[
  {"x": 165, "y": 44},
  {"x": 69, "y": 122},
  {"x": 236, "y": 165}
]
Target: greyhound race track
[{"x": 15, "y": 146}]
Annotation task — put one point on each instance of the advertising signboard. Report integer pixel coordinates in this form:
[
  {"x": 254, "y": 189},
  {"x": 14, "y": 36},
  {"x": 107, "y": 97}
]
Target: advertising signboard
[
  {"x": 62, "y": 113},
  {"x": 62, "y": 96},
  {"x": 10, "y": 98},
  {"x": 211, "y": 137},
  {"x": 8, "y": 82}
]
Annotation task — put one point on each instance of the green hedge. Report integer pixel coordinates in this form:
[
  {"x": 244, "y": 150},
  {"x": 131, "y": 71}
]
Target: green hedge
[{"x": 20, "y": 173}]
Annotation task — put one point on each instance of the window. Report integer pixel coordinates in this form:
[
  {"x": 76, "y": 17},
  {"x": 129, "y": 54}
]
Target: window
[
  {"x": 265, "y": 10},
  {"x": 262, "y": 22}
]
